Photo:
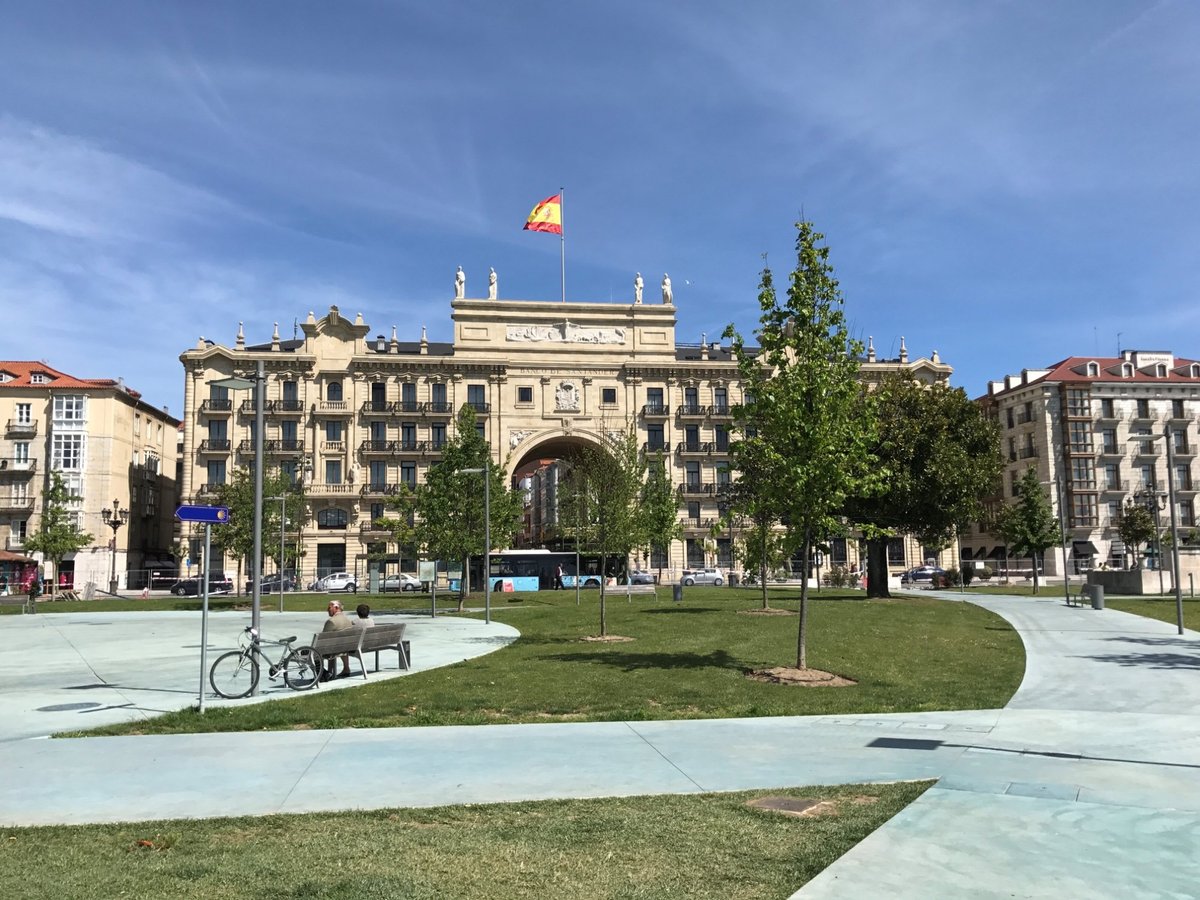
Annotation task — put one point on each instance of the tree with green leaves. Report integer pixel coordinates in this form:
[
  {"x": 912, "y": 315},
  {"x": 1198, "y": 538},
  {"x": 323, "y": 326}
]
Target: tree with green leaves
[
  {"x": 1136, "y": 528},
  {"x": 1029, "y": 526},
  {"x": 236, "y": 536},
  {"x": 803, "y": 409},
  {"x": 659, "y": 508},
  {"x": 448, "y": 507},
  {"x": 57, "y": 535},
  {"x": 754, "y": 497},
  {"x": 603, "y": 488},
  {"x": 938, "y": 460}
]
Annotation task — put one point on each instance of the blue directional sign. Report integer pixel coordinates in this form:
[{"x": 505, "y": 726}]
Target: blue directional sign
[{"x": 212, "y": 515}]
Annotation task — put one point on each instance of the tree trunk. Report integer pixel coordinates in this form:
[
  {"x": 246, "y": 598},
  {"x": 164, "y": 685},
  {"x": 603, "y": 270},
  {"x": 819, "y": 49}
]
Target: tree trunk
[
  {"x": 465, "y": 584},
  {"x": 802, "y": 636},
  {"x": 762, "y": 575},
  {"x": 1033, "y": 561},
  {"x": 877, "y": 568}
]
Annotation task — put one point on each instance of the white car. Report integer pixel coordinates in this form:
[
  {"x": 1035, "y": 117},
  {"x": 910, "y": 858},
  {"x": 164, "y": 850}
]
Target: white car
[
  {"x": 702, "y": 576},
  {"x": 400, "y": 581},
  {"x": 336, "y": 581}
]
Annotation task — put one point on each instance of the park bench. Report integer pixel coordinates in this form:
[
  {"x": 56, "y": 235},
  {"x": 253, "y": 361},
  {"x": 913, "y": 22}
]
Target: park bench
[{"x": 356, "y": 641}]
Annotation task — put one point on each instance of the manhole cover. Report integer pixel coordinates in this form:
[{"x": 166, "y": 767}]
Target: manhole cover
[
  {"x": 792, "y": 805},
  {"x": 67, "y": 707}
]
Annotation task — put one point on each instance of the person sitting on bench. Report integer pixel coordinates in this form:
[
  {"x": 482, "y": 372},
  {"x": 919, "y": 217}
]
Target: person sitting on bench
[{"x": 337, "y": 621}]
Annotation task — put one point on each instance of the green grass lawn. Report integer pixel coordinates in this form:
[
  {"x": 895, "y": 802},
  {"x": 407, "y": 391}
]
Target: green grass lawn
[
  {"x": 698, "y": 846},
  {"x": 686, "y": 660},
  {"x": 1162, "y": 608}
]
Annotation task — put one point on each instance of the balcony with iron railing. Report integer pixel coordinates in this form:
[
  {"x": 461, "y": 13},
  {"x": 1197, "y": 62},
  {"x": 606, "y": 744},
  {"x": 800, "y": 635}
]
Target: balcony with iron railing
[
  {"x": 1148, "y": 415},
  {"x": 284, "y": 445},
  {"x": 723, "y": 410},
  {"x": 1115, "y": 416},
  {"x": 1111, "y": 450},
  {"x": 1031, "y": 452},
  {"x": 370, "y": 528},
  {"x": 1115, "y": 487},
  {"x": 481, "y": 408},
  {"x": 17, "y": 428},
  {"x": 1024, "y": 418},
  {"x": 657, "y": 446},
  {"x": 292, "y": 407},
  {"x": 438, "y": 408},
  {"x": 691, "y": 411},
  {"x": 697, "y": 487},
  {"x": 18, "y": 466},
  {"x": 656, "y": 411},
  {"x": 17, "y": 502},
  {"x": 214, "y": 445},
  {"x": 1183, "y": 450},
  {"x": 689, "y": 523},
  {"x": 211, "y": 407},
  {"x": 700, "y": 448},
  {"x": 376, "y": 408},
  {"x": 380, "y": 489}
]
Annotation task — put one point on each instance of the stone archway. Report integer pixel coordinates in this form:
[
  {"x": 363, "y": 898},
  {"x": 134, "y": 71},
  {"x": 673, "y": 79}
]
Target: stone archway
[{"x": 531, "y": 468}]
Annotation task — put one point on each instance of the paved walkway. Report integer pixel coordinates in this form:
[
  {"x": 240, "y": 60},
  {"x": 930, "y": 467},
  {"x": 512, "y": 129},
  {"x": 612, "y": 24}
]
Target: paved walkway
[{"x": 1086, "y": 785}]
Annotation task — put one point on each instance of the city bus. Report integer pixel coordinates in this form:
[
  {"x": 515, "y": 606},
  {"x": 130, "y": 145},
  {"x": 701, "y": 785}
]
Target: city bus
[{"x": 533, "y": 570}]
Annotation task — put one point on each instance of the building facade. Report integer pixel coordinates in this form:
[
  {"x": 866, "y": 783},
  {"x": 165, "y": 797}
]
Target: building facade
[
  {"x": 357, "y": 415},
  {"x": 1079, "y": 423},
  {"x": 108, "y": 445}
]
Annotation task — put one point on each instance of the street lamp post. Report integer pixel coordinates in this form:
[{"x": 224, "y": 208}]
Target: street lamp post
[
  {"x": 114, "y": 518},
  {"x": 487, "y": 536},
  {"x": 282, "y": 542},
  {"x": 1169, "y": 438},
  {"x": 1062, "y": 536}
]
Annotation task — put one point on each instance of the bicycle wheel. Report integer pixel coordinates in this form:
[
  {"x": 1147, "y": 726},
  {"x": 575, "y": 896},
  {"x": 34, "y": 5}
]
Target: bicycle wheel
[
  {"x": 302, "y": 669},
  {"x": 234, "y": 674}
]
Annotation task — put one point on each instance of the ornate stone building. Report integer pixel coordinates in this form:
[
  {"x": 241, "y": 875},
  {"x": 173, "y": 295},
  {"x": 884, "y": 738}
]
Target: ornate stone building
[{"x": 356, "y": 415}]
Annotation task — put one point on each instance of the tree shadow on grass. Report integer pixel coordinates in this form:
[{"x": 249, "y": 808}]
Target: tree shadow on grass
[
  {"x": 629, "y": 662},
  {"x": 681, "y": 609}
]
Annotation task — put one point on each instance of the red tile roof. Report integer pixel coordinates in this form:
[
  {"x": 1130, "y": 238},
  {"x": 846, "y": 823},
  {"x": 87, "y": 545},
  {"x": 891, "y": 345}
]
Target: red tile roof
[
  {"x": 1073, "y": 370},
  {"x": 21, "y": 372}
]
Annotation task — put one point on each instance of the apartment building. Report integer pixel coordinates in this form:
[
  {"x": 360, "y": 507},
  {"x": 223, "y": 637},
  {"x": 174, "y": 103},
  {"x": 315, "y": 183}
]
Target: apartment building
[
  {"x": 109, "y": 445},
  {"x": 356, "y": 415},
  {"x": 1095, "y": 429}
]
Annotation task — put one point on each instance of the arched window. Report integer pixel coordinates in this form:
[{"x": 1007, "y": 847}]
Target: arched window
[
  {"x": 331, "y": 518},
  {"x": 1093, "y": 368},
  {"x": 1161, "y": 370},
  {"x": 1126, "y": 370},
  {"x": 1195, "y": 369},
  {"x": 333, "y": 391}
]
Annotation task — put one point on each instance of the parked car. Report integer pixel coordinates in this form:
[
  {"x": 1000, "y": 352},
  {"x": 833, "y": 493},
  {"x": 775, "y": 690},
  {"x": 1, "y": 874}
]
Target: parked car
[
  {"x": 922, "y": 573},
  {"x": 638, "y": 577},
  {"x": 336, "y": 581},
  {"x": 400, "y": 581},
  {"x": 270, "y": 584},
  {"x": 191, "y": 587},
  {"x": 702, "y": 576}
]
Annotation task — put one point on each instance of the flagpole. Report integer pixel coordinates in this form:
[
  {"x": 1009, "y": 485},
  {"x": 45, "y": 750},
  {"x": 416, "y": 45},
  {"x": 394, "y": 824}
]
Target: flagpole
[{"x": 562, "y": 241}]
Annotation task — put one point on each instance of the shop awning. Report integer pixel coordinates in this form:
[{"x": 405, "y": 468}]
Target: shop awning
[
  {"x": 1084, "y": 548},
  {"x": 10, "y": 557}
]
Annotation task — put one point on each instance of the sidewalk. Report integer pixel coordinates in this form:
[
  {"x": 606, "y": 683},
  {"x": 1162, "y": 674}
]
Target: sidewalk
[{"x": 1087, "y": 784}]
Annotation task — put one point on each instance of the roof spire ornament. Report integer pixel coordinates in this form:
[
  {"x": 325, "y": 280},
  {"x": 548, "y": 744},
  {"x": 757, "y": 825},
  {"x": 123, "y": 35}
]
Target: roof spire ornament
[
  {"x": 870, "y": 348},
  {"x": 903, "y": 350},
  {"x": 241, "y": 337}
]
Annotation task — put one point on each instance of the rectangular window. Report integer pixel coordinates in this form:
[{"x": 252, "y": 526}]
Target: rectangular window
[
  {"x": 378, "y": 473},
  {"x": 654, "y": 437},
  {"x": 524, "y": 395},
  {"x": 408, "y": 395},
  {"x": 724, "y": 552},
  {"x": 288, "y": 469},
  {"x": 1109, "y": 438},
  {"x": 476, "y": 397},
  {"x": 333, "y": 471},
  {"x": 1083, "y": 475},
  {"x": 24, "y": 413},
  {"x": 895, "y": 551},
  {"x": 608, "y": 396},
  {"x": 377, "y": 511},
  {"x": 1083, "y": 511},
  {"x": 692, "y": 473},
  {"x": 691, "y": 437},
  {"x": 1079, "y": 403},
  {"x": 438, "y": 391},
  {"x": 408, "y": 473},
  {"x": 1177, "y": 409},
  {"x": 695, "y": 553},
  {"x": 333, "y": 430},
  {"x": 691, "y": 397},
  {"x": 21, "y": 453},
  {"x": 1112, "y": 476},
  {"x": 378, "y": 433},
  {"x": 216, "y": 472},
  {"x": 291, "y": 392},
  {"x": 723, "y": 473},
  {"x": 720, "y": 400},
  {"x": 437, "y": 434},
  {"x": 1106, "y": 409},
  {"x": 1187, "y": 513},
  {"x": 68, "y": 452},
  {"x": 408, "y": 435},
  {"x": 1081, "y": 437},
  {"x": 837, "y": 551},
  {"x": 1183, "y": 477},
  {"x": 658, "y": 558},
  {"x": 1179, "y": 436},
  {"x": 1114, "y": 513},
  {"x": 722, "y": 434},
  {"x": 693, "y": 510},
  {"x": 481, "y": 429},
  {"x": 1143, "y": 409},
  {"x": 1147, "y": 474},
  {"x": 654, "y": 398},
  {"x": 70, "y": 411}
]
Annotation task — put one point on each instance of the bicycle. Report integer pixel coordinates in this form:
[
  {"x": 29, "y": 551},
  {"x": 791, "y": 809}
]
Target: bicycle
[{"x": 235, "y": 674}]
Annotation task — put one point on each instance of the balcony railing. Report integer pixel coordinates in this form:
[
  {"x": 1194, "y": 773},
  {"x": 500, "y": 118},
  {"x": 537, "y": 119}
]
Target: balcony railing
[
  {"x": 375, "y": 407},
  {"x": 656, "y": 411},
  {"x": 24, "y": 466},
  {"x": 333, "y": 446},
  {"x": 694, "y": 447},
  {"x": 21, "y": 429},
  {"x": 1031, "y": 452},
  {"x": 380, "y": 489},
  {"x": 691, "y": 410},
  {"x": 207, "y": 490},
  {"x": 214, "y": 445},
  {"x": 334, "y": 408},
  {"x": 697, "y": 488},
  {"x": 657, "y": 446},
  {"x": 439, "y": 408},
  {"x": 1024, "y": 418},
  {"x": 721, "y": 409},
  {"x": 324, "y": 489},
  {"x": 1115, "y": 487},
  {"x": 285, "y": 407},
  {"x": 210, "y": 406},
  {"x": 17, "y": 503},
  {"x": 372, "y": 528},
  {"x": 479, "y": 406},
  {"x": 284, "y": 445}
]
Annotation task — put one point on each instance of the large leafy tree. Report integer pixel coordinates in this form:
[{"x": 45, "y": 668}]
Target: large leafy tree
[
  {"x": 602, "y": 491},
  {"x": 236, "y": 536},
  {"x": 1029, "y": 526},
  {"x": 448, "y": 507},
  {"x": 1136, "y": 528},
  {"x": 803, "y": 413},
  {"x": 659, "y": 507},
  {"x": 938, "y": 458},
  {"x": 57, "y": 535}
]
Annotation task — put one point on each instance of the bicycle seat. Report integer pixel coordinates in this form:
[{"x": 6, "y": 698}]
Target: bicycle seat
[{"x": 287, "y": 640}]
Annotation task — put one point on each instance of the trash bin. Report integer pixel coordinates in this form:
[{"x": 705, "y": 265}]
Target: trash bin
[
  {"x": 677, "y": 593},
  {"x": 1096, "y": 592}
]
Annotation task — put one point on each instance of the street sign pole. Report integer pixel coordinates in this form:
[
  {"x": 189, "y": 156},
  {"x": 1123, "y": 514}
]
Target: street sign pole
[{"x": 204, "y": 612}]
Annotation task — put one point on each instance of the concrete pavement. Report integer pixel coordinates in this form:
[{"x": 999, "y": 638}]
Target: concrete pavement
[{"x": 1086, "y": 784}]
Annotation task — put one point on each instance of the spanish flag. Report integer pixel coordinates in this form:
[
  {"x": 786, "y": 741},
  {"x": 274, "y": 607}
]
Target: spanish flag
[{"x": 546, "y": 216}]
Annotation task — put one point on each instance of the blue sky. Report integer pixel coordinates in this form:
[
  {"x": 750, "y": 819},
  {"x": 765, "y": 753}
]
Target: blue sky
[{"x": 1009, "y": 183}]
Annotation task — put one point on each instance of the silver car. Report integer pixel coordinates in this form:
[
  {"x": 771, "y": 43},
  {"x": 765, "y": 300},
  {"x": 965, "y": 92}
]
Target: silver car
[
  {"x": 337, "y": 581},
  {"x": 702, "y": 576}
]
